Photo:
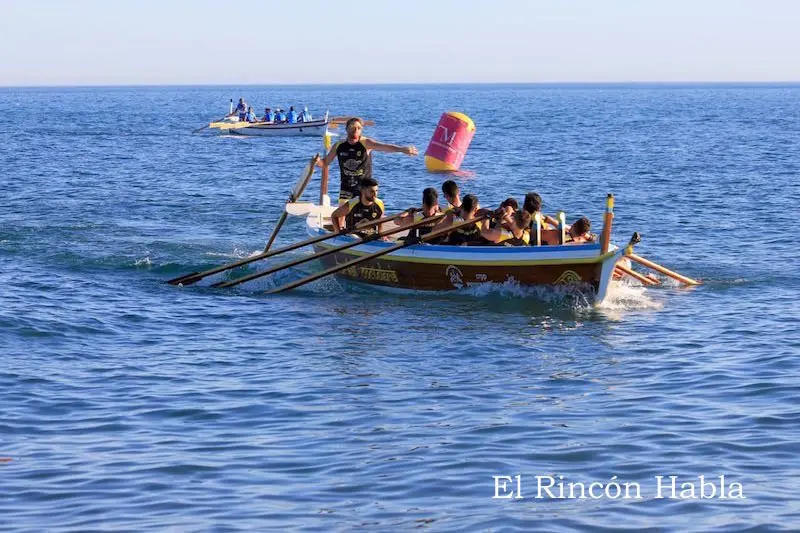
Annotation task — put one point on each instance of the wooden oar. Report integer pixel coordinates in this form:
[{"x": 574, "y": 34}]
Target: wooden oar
[
  {"x": 194, "y": 277},
  {"x": 667, "y": 272},
  {"x": 293, "y": 197},
  {"x": 233, "y": 125},
  {"x": 324, "y": 253},
  {"x": 335, "y": 121},
  {"x": 632, "y": 273},
  {"x": 338, "y": 268}
]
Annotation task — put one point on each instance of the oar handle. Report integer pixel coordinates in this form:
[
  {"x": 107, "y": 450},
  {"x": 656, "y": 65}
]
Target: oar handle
[
  {"x": 667, "y": 272},
  {"x": 632, "y": 273}
]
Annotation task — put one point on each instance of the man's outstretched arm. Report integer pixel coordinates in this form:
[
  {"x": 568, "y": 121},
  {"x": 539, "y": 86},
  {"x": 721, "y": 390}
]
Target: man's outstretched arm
[{"x": 386, "y": 147}]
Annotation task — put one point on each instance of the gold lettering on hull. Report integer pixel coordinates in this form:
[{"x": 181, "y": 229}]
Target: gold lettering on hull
[
  {"x": 370, "y": 274},
  {"x": 378, "y": 274}
]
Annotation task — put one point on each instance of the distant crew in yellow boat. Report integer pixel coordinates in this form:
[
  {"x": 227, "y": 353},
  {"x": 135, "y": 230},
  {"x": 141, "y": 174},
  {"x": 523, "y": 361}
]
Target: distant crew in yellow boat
[
  {"x": 512, "y": 230},
  {"x": 241, "y": 109},
  {"x": 465, "y": 235},
  {"x": 452, "y": 195},
  {"x": 354, "y": 155},
  {"x": 251, "y": 115},
  {"x": 269, "y": 116},
  {"x": 291, "y": 117},
  {"x": 430, "y": 207},
  {"x": 305, "y": 116},
  {"x": 280, "y": 116},
  {"x": 365, "y": 207}
]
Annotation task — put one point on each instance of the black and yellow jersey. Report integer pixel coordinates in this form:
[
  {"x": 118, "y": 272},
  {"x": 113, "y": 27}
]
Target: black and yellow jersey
[
  {"x": 469, "y": 234},
  {"x": 452, "y": 209},
  {"x": 507, "y": 238},
  {"x": 355, "y": 164},
  {"x": 424, "y": 229},
  {"x": 358, "y": 212}
]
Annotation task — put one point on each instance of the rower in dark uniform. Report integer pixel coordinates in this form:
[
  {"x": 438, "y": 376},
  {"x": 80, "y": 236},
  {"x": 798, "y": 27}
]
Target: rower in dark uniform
[
  {"x": 511, "y": 230},
  {"x": 533, "y": 205},
  {"x": 363, "y": 208},
  {"x": 465, "y": 235},
  {"x": 452, "y": 195},
  {"x": 506, "y": 209},
  {"x": 578, "y": 233},
  {"x": 354, "y": 155},
  {"x": 430, "y": 207}
]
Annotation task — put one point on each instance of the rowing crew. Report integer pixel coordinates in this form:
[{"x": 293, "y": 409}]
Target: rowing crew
[
  {"x": 245, "y": 113},
  {"x": 507, "y": 226}
]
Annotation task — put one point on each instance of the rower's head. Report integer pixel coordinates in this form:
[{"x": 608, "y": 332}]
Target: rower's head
[
  {"x": 241, "y": 100},
  {"x": 520, "y": 220},
  {"x": 354, "y": 127},
  {"x": 430, "y": 198},
  {"x": 469, "y": 205},
  {"x": 510, "y": 202},
  {"x": 450, "y": 191},
  {"x": 582, "y": 226},
  {"x": 369, "y": 189},
  {"x": 506, "y": 208},
  {"x": 533, "y": 203}
]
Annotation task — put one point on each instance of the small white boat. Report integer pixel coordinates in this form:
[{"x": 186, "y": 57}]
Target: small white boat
[{"x": 234, "y": 126}]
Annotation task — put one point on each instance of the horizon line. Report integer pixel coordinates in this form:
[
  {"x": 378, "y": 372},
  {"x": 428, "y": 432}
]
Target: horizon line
[{"x": 412, "y": 83}]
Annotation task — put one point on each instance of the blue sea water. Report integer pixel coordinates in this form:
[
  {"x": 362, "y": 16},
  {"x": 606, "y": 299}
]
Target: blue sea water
[{"x": 130, "y": 404}]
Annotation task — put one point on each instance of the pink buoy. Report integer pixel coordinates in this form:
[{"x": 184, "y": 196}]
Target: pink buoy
[{"x": 449, "y": 142}]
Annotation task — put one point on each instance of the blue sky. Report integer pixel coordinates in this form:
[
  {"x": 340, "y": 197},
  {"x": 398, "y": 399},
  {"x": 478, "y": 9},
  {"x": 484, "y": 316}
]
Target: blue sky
[{"x": 91, "y": 42}]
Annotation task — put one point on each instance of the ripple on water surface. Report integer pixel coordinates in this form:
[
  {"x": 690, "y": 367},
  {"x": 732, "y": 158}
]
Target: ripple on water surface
[{"x": 130, "y": 404}]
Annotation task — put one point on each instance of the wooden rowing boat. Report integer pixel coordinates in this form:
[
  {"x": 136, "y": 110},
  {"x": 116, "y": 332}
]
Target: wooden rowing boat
[
  {"x": 234, "y": 126},
  {"x": 435, "y": 267}
]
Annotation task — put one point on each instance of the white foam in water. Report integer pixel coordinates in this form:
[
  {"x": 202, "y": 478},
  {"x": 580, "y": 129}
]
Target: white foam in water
[
  {"x": 236, "y": 254},
  {"x": 143, "y": 262},
  {"x": 623, "y": 296},
  {"x": 574, "y": 296}
]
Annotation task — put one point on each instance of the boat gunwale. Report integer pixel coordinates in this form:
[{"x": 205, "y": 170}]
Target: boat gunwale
[{"x": 491, "y": 255}]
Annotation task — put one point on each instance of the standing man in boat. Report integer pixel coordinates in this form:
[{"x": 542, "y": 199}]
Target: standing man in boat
[
  {"x": 355, "y": 161},
  {"x": 305, "y": 116},
  {"x": 363, "y": 208},
  {"x": 241, "y": 109}
]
